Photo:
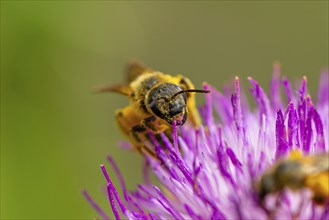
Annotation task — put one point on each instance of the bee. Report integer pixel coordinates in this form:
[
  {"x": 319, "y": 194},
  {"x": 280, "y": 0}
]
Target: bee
[
  {"x": 296, "y": 172},
  {"x": 157, "y": 100}
]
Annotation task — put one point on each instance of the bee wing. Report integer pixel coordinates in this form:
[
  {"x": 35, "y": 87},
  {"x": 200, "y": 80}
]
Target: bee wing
[
  {"x": 121, "y": 89},
  {"x": 136, "y": 69}
]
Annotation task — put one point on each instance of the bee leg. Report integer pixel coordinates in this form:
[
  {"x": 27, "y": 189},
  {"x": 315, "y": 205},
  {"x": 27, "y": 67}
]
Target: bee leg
[
  {"x": 143, "y": 149},
  {"x": 136, "y": 130},
  {"x": 149, "y": 123},
  {"x": 129, "y": 123},
  {"x": 122, "y": 122}
]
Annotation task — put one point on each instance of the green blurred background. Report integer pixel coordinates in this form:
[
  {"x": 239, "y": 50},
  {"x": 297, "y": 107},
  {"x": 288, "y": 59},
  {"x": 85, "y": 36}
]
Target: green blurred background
[{"x": 55, "y": 132}]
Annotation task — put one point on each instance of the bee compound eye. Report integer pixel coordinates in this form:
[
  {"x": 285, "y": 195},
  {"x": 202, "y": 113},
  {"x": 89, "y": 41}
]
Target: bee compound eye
[
  {"x": 319, "y": 199},
  {"x": 155, "y": 109},
  {"x": 267, "y": 185}
]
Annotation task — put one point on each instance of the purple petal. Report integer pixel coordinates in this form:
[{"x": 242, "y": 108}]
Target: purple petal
[
  {"x": 319, "y": 132},
  {"x": 111, "y": 199},
  {"x": 261, "y": 99},
  {"x": 182, "y": 167},
  {"x": 325, "y": 215},
  {"x": 111, "y": 189},
  {"x": 237, "y": 113},
  {"x": 168, "y": 206},
  {"x": 191, "y": 213},
  {"x": 175, "y": 138},
  {"x": 308, "y": 132},
  {"x": 222, "y": 165},
  {"x": 280, "y": 134},
  {"x": 287, "y": 89},
  {"x": 118, "y": 173},
  {"x": 302, "y": 111},
  {"x": 293, "y": 140},
  {"x": 234, "y": 159}
]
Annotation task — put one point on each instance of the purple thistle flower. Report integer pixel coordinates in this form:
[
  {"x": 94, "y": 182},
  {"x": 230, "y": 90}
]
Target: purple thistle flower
[{"x": 212, "y": 174}]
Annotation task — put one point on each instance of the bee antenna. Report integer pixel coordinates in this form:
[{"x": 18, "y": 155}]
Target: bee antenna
[{"x": 191, "y": 90}]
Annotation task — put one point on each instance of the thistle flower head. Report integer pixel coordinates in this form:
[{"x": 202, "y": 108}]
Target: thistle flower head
[{"x": 212, "y": 172}]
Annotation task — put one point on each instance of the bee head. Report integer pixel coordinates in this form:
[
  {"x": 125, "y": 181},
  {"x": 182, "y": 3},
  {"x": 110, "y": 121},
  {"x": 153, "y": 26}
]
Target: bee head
[
  {"x": 163, "y": 102},
  {"x": 168, "y": 102},
  {"x": 266, "y": 185},
  {"x": 285, "y": 173}
]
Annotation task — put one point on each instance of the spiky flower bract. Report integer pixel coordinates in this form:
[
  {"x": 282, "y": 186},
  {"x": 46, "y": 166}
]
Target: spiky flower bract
[{"x": 211, "y": 172}]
